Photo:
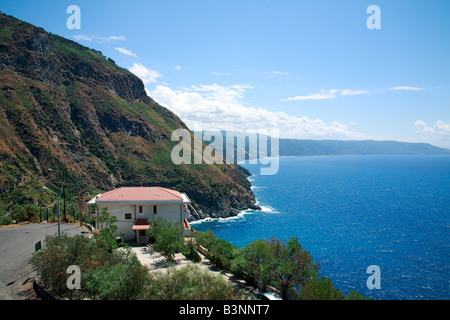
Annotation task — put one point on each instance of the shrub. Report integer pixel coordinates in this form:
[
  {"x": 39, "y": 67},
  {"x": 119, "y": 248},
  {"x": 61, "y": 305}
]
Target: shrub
[
  {"x": 320, "y": 288},
  {"x": 190, "y": 251},
  {"x": 124, "y": 280},
  {"x": 24, "y": 213},
  {"x": 239, "y": 267},
  {"x": 283, "y": 265},
  {"x": 206, "y": 239},
  {"x": 4, "y": 218},
  {"x": 108, "y": 233},
  {"x": 223, "y": 253},
  {"x": 190, "y": 283},
  {"x": 168, "y": 237},
  {"x": 104, "y": 274},
  {"x": 59, "y": 253},
  {"x": 220, "y": 252}
]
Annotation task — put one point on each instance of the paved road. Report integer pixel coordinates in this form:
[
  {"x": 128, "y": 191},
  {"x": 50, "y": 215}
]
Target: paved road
[{"x": 17, "y": 245}]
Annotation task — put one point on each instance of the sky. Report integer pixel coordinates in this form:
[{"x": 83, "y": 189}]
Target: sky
[{"x": 309, "y": 69}]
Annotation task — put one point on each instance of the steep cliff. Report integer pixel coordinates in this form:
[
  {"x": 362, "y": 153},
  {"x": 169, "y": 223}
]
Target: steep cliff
[{"x": 69, "y": 113}]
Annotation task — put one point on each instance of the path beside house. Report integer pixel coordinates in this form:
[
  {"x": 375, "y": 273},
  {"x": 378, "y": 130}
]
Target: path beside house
[{"x": 156, "y": 262}]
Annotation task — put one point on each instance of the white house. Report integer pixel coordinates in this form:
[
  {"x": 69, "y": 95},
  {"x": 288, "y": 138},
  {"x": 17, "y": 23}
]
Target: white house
[{"x": 135, "y": 207}]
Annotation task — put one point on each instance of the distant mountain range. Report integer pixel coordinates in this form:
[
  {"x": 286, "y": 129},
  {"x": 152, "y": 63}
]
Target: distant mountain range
[
  {"x": 293, "y": 147},
  {"x": 306, "y": 147}
]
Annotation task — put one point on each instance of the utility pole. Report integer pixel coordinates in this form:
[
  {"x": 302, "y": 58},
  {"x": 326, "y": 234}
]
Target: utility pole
[
  {"x": 59, "y": 209},
  {"x": 64, "y": 200}
]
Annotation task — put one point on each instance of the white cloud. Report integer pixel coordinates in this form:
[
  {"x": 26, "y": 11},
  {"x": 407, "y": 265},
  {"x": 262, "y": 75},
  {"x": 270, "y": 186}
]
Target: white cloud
[
  {"x": 331, "y": 94},
  {"x": 440, "y": 128},
  {"x": 80, "y": 37},
  {"x": 98, "y": 39},
  {"x": 216, "y": 92},
  {"x": 147, "y": 75},
  {"x": 334, "y": 93},
  {"x": 219, "y": 107},
  {"x": 438, "y": 134},
  {"x": 115, "y": 38},
  {"x": 277, "y": 73},
  {"x": 177, "y": 68},
  {"x": 327, "y": 94},
  {"x": 353, "y": 92},
  {"x": 406, "y": 88},
  {"x": 221, "y": 73},
  {"x": 126, "y": 52}
]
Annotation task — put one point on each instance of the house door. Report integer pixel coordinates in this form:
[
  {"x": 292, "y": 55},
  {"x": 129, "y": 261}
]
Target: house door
[{"x": 142, "y": 237}]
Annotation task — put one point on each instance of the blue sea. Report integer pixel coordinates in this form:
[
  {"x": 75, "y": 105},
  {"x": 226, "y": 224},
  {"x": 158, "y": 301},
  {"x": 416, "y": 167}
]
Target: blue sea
[{"x": 351, "y": 212}]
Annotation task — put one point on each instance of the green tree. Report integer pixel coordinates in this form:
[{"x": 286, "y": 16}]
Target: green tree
[
  {"x": 190, "y": 251},
  {"x": 104, "y": 274},
  {"x": 283, "y": 265},
  {"x": 125, "y": 279},
  {"x": 59, "y": 253},
  {"x": 108, "y": 232},
  {"x": 28, "y": 212},
  {"x": 220, "y": 252},
  {"x": 168, "y": 237},
  {"x": 355, "y": 295},
  {"x": 320, "y": 288},
  {"x": 5, "y": 219}
]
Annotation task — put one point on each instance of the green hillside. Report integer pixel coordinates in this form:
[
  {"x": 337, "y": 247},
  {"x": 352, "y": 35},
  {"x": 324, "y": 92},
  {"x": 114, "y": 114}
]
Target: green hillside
[{"x": 69, "y": 113}]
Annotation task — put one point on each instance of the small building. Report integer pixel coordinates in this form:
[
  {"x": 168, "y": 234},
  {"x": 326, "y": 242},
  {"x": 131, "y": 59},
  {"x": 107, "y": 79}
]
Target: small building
[{"x": 136, "y": 208}]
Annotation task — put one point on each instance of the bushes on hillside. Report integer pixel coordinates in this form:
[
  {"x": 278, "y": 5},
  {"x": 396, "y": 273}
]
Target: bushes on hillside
[
  {"x": 118, "y": 275},
  {"x": 283, "y": 265},
  {"x": 111, "y": 273},
  {"x": 24, "y": 213},
  {"x": 4, "y": 218},
  {"x": 104, "y": 274},
  {"x": 220, "y": 252},
  {"x": 190, "y": 283},
  {"x": 167, "y": 237}
]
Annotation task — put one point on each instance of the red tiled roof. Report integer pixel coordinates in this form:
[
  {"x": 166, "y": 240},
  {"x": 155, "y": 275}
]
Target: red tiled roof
[{"x": 140, "y": 194}]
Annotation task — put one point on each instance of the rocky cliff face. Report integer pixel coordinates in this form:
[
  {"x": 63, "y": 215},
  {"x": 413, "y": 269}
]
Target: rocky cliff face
[{"x": 68, "y": 113}]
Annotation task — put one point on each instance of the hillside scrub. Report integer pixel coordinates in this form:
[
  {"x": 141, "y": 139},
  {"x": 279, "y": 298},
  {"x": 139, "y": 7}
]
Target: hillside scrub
[
  {"x": 190, "y": 283},
  {"x": 67, "y": 113},
  {"x": 285, "y": 266},
  {"x": 104, "y": 274},
  {"x": 167, "y": 237},
  {"x": 118, "y": 275}
]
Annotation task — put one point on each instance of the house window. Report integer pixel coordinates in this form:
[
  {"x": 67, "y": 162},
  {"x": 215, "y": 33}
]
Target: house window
[
  {"x": 155, "y": 209},
  {"x": 140, "y": 209},
  {"x": 127, "y": 216}
]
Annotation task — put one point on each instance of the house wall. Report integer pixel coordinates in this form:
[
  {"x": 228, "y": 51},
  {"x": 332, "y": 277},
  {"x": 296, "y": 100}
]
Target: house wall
[
  {"x": 170, "y": 212},
  {"x": 123, "y": 225}
]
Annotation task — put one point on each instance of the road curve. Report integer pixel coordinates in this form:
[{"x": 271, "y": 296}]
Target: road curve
[{"x": 17, "y": 245}]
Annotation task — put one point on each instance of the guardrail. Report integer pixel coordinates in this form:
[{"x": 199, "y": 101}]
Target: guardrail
[{"x": 43, "y": 293}]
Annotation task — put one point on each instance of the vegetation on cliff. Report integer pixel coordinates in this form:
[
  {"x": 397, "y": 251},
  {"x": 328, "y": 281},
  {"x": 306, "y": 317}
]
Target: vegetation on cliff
[{"x": 67, "y": 113}]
